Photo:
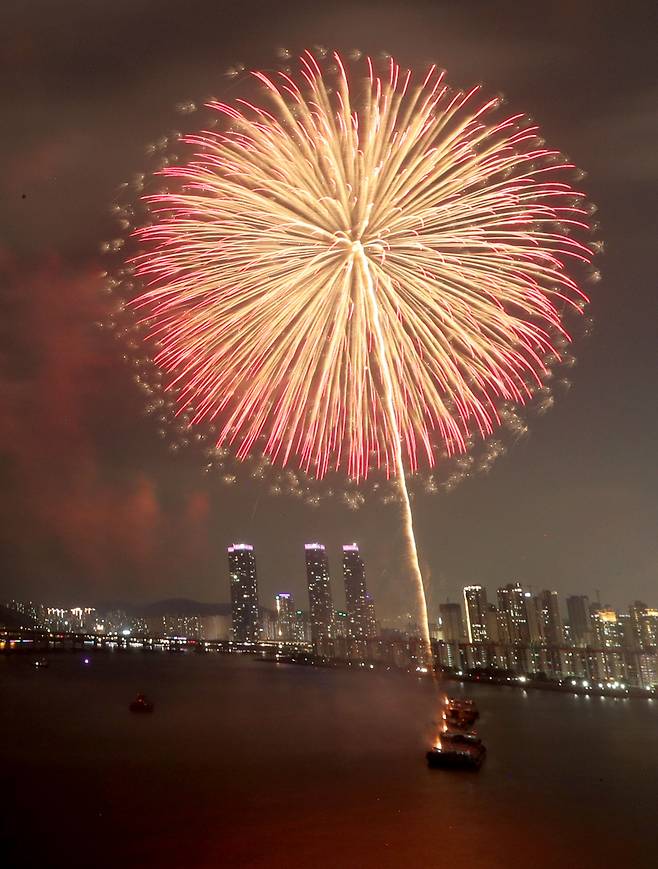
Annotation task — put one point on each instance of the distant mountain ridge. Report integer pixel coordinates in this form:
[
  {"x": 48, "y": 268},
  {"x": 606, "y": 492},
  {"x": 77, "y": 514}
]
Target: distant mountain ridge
[
  {"x": 182, "y": 606},
  {"x": 174, "y": 606}
]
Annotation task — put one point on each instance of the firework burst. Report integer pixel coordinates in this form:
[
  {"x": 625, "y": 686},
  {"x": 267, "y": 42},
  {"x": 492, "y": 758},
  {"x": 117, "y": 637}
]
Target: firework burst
[{"x": 365, "y": 265}]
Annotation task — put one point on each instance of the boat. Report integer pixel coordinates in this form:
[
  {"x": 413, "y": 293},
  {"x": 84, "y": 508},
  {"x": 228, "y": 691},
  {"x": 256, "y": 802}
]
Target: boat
[
  {"x": 460, "y": 713},
  {"x": 41, "y": 663},
  {"x": 456, "y": 753},
  {"x": 141, "y": 704},
  {"x": 461, "y": 737},
  {"x": 463, "y": 704},
  {"x": 459, "y": 719}
]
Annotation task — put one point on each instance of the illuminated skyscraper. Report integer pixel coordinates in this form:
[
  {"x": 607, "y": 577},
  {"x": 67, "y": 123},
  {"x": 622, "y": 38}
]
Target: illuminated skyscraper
[
  {"x": 512, "y": 606},
  {"x": 319, "y": 593},
  {"x": 476, "y": 606},
  {"x": 244, "y": 593},
  {"x": 285, "y": 617},
  {"x": 644, "y": 625},
  {"x": 650, "y": 628},
  {"x": 356, "y": 597},
  {"x": 608, "y": 629}
]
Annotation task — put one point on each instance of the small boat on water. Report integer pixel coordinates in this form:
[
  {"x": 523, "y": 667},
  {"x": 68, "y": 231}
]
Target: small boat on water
[
  {"x": 41, "y": 663},
  {"x": 461, "y": 713},
  {"x": 447, "y": 755},
  {"x": 461, "y": 737},
  {"x": 141, "y": 704}
]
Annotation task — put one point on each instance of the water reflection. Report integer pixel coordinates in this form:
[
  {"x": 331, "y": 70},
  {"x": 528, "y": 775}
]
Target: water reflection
[{"x": 246, "y": 764}]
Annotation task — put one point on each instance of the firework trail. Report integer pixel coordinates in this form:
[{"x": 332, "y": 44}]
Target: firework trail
[{"x": 361, "y": 272}]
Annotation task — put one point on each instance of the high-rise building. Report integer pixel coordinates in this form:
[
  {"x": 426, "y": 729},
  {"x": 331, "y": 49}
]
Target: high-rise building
[
  {"x": 535, "y": 621},
  {"x": 580, "y": 620},
  {"x": 82, "y": 618},
  {"x": 627, "y": 632},
  {"x": 356, "y": 597},
  {"x": 513, "y": 609},
  {"x": 452, "y": 623},
  {"x": 644, "y": 624},
  {"x": 174, "y": 625},
  {"x": 635, "y": 612},
  {"x": 550, "y": 620},
  {"x": 285, "y": 616},
  {"x": 608, "y": 629},
  {"x": 476, "y": 607},
  {"x": 650, "y": 628},
  {"x": 244, "y": 593},
  {"x": 319, "y": 593},
  {"x": 647, "y": 670}
]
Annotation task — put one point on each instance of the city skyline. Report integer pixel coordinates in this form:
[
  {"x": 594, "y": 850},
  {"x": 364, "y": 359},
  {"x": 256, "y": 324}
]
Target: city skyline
[
  {"x": 523, "y": 633},
  {"x": 520, "y": 617},
  {"x": 525, "y": 636}
]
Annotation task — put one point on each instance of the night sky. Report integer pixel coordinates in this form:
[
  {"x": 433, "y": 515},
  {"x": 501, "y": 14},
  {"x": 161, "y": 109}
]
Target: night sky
[{"x": 94, "y": 508}]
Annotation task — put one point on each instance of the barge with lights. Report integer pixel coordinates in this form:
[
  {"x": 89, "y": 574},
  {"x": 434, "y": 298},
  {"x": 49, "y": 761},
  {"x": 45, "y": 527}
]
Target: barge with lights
[
  {"x": 457, "y": 751},
  {"x": 460, "y": 713}
]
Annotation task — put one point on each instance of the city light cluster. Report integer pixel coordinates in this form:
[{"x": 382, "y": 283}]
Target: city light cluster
[
  {"x": 522, "y": 640},
  {"x": 526, "y": 633}
]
